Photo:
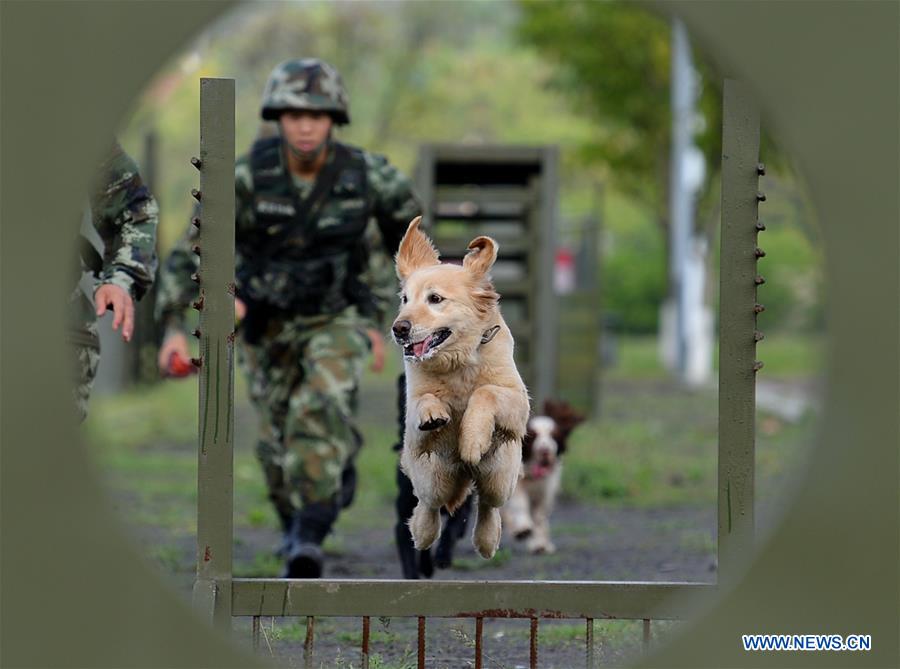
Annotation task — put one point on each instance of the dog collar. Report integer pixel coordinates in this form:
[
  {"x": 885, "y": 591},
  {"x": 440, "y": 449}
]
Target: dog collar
[{"x": 489, "y": 334}]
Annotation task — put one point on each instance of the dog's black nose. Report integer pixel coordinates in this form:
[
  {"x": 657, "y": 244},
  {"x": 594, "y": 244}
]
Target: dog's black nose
[{"x": 401, "y": 329}]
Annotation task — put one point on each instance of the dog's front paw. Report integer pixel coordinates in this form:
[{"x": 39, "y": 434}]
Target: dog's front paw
[
  {"x": 541, "y": 547},
  {"x": 432, "y": 415},
  {"x": 522, "y": 533},
  {"x": 434, "y": 423}
]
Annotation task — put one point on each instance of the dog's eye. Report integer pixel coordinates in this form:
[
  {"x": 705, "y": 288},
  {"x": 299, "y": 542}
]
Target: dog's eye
[{"x": 434, "y": 298}]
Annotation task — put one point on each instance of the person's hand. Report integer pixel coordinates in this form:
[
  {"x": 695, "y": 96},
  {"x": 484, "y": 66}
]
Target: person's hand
[
  {"x": 177, "y": 342},
  {"x": 240, "y": 310},
  {"x": 116, "y": 298},
  {"x": 377, "y": 342}
]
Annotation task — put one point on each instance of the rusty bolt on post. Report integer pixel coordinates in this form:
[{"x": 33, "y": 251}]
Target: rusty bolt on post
[
  {"x": 196, "y": 332},
  {"x": 196, "y": 222},
  {"x": 760, "y": 253},
  {"x": 195, "y": 161},
  {"x": 196, "y": 194},
  {"x": 761, "y": 169},
  {"x": 760, "y": 196},
  {"x": 195, "y": 277},
  {"x": 196, "y": 249},
  {"x": 196, "y": 362},
  {"x": 759, "y": 280},
  {"x": 760, "y": 226},
  {"x": 198, "y": 304},
  {"x": 758, "y": 336},
  {"x": 758, "y": 365},
  {"x": 759, "y": 308}
]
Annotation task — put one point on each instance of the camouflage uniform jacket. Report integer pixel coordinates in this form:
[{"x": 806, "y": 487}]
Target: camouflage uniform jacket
[
  {"x": 125, "y": 216},
  {"x": 387, "y": 198}
]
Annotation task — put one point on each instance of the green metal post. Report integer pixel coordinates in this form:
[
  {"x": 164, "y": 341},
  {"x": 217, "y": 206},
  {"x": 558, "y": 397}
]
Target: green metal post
[
  {"x": 737, "y": 325},
  {"x": 212, "y": 589}
]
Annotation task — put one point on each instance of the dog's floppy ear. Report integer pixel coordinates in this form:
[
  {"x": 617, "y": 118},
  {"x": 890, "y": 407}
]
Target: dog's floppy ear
[
  {"x": 481, "y": 256},
  {"x": 565, "y": 417},
  {"x": 415, "y": 251}
]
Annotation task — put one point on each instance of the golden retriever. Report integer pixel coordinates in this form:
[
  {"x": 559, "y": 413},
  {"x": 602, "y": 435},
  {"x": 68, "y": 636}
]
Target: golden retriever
[{"x": 467, "y": 407}]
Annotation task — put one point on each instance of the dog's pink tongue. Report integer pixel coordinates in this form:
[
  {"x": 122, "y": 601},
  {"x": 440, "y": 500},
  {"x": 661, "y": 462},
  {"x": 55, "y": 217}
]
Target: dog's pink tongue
[
  {"x": 419, "y": 349},
  {"x": 539, "y": 471}
]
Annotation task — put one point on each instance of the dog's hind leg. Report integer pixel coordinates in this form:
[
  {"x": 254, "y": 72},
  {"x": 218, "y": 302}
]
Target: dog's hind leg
[
  {"x": 425, "y": 525},
  {"x": 495, "y": 482},
  {"x": 516, "y": 514},
  {"x": 488, "y": 527}
]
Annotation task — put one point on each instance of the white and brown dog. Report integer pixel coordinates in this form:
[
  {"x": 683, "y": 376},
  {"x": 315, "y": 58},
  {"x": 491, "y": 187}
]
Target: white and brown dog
[
  {"x": 527, "y": 515},
  {"x": 467, "y": 406}
]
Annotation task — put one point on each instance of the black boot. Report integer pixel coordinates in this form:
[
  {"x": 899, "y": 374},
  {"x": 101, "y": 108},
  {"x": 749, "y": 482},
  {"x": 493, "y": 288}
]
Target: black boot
[
  {"x": 454, "y": 529},
  {"x": 405, "y": 503},
  {"x": 309, "y": 527},
  {"x": 348, "y": 484}
]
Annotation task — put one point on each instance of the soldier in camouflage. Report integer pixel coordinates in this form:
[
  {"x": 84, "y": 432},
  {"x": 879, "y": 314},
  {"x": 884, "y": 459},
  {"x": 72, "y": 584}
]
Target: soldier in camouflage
[
  {"x": 124, "y": 217},
  {"x": 309, "y": 299}
]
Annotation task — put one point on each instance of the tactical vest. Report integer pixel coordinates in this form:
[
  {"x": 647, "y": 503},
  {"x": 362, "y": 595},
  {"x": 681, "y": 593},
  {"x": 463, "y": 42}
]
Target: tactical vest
[{"x": 305, "y": 256}]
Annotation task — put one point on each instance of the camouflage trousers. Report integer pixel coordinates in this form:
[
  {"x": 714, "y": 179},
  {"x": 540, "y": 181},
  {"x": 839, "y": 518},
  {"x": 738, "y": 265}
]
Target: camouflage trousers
[
  {"x": 303, "y": 379},
  {"x": 85, "y": 359}
]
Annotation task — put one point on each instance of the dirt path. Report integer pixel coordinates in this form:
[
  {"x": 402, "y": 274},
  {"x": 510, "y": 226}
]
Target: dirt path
[{"x": 594, "y": 542}]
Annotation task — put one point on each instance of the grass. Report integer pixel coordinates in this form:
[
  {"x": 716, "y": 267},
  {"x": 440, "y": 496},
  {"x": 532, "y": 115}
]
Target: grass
[
  {"x": 501, "y": 557},
  {"x": 785, "y": 355},
  {"x": 169, "y": 557}
]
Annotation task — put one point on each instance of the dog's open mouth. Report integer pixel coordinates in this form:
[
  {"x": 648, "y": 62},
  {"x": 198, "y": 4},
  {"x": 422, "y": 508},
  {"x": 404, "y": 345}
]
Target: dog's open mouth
[
  {"x": 421, "y": 349},
  {"x": 541, "y": 466}
]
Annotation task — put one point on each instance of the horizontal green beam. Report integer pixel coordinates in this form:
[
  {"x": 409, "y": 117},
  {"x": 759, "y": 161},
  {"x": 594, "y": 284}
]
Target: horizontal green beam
[
  {"x": 485, "y": 195},
  {"x": 464, "y": 599},
  {"x": 458, "y": 246},
  {"x": 487, "y": 153}
]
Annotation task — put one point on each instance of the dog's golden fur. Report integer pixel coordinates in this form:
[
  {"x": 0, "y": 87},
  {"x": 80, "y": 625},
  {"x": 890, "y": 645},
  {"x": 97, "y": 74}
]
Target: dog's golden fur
[{"x": 467, "y": 406}]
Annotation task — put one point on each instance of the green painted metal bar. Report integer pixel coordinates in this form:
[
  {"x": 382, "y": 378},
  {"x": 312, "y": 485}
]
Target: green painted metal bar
[
  {"x": 487, "y": 153},
  {"x": 212, "y": 589},
  {"x": 737, "y": 324},
  {"x": 464, "y": 599},
  {"x": 486, "y": 195}
]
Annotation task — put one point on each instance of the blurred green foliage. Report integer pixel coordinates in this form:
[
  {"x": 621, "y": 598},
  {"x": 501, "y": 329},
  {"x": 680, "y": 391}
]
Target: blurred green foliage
[{"x": 614, "y": 61}]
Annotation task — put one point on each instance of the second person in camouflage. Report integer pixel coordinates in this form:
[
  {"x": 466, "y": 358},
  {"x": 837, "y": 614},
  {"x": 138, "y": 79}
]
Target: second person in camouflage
[
  {"x": 309, "y": 316},
  {"x": 124, "y": 217}
]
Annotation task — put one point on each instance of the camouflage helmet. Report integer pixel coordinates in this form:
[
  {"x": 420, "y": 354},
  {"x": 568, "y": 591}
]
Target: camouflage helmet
[{"x": 305, "y": 83}]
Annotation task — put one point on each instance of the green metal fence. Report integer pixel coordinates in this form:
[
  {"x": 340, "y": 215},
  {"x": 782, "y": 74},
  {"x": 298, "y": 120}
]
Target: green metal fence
[{"x": 220, "y": 596}]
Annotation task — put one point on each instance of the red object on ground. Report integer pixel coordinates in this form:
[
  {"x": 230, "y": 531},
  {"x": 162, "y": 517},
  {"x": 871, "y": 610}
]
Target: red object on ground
[{"x": 180, "y": 367}]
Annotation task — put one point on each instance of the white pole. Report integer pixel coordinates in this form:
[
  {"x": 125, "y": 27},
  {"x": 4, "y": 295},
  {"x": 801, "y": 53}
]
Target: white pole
[{"x": 687, "y": 321}]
